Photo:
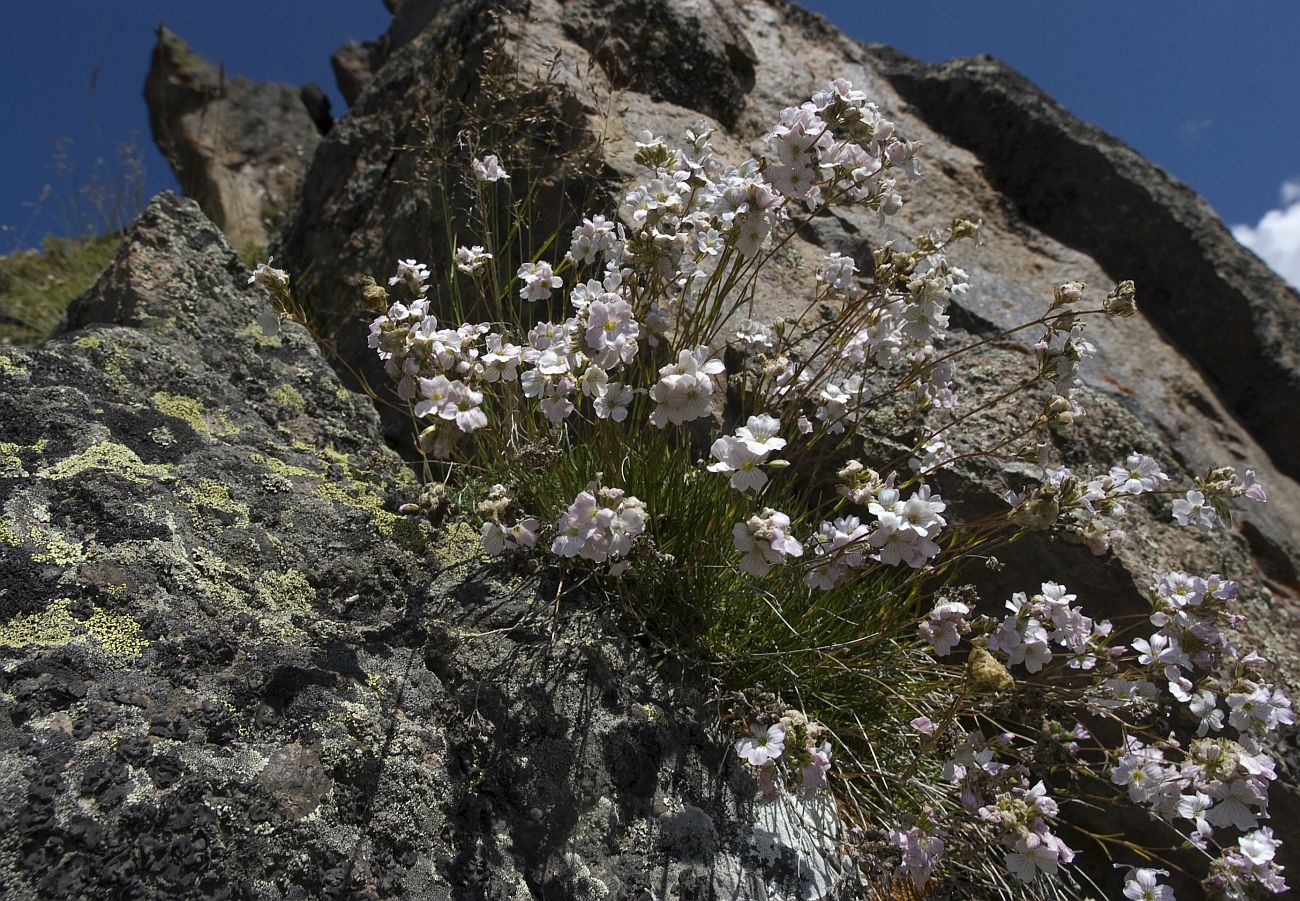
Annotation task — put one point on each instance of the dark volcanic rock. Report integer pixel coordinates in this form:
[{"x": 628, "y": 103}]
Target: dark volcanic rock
[
  {"x": 237, "y": 147},
  {"x": 229, "y": 669}
]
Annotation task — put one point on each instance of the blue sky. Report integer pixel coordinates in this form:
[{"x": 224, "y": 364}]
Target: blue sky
[{"x": 1206, "y": 88}]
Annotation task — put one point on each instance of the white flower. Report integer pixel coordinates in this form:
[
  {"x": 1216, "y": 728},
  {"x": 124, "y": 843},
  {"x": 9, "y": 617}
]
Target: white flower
[
  {"x": 838, "y": 272},
  {"x": 737, "y": 457},
  {"x": 1142, "y": 885},
  {"x": 592, "y": 238},
  {"x": 489, "y": 168},
  {"x": 1259, "y": 846},
  {"x": 538, "y": 281},
  {"x": 413, "y": 275},
  {"x": 1195, "y": 511},
  {"x": 1031, "y": 854},
  {"x": 612, "y": 403},
  {"x": 764, "y": 746},
  {"x": 1139, "y": 474},
  {"x": 765, "y": 541},
  {"x": 761, "y": 434},
  {"x": 471, "y": 259},
  {"x": 277, "y": 279}
]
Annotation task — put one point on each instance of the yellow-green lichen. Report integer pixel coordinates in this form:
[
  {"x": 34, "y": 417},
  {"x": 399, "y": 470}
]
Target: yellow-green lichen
[
  {"x": 117, "y": 633},
  {"x": 288, "y": 397},
  {"x": 110, "y": 457},
  {"x": 54, "y": 548},
  {"x": 50, "y": 627},
  {"x": 192, "y": 411},
  {"x": 221, "y": 425},
  {"x": 11, "y": 462},
  {"x": 281, "y": 604},
  {"x": 210, "y": 502},
  {"x": 410, "y": 534},
  {"x": 178, "y": 406},
  {"x": 458, "y": 542},
  {"x": 281, "y": 468},
  {"x": 7, "y": 537},
  {"x": 89, "y": 342},
  {"x": 282, "y": 598},
  {"x": 13, "y": 367},
  {"x": 258, "y": 335}
]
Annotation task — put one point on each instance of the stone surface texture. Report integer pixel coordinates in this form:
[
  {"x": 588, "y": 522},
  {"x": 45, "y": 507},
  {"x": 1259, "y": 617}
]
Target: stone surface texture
[
  {"x": 229, "y": 669},
  {"x": 238, "y": 147}
]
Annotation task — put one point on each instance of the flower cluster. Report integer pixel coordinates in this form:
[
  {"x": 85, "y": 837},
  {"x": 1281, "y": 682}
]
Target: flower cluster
[
  {"x": 630, "y": 351},
  {"x": 1027, "y": 633},
  {"x": 744, "y": 453},
  {"x": 499, "y": 538},
  {"x": 793, "y": 740},
  {"x": 600, "y": 527}
]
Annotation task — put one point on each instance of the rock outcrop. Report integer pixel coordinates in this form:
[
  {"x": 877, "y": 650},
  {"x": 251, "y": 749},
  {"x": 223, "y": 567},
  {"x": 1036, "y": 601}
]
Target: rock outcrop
[
  {"x": 367, "y": 203},
  {"x": 228, "y": 667},
  {"x": 238, "y": 147}
]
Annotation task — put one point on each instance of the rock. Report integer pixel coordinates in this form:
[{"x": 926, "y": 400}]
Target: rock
[
  {"x": 237, "y": 147},
  {"x": 365, "y": 208},
  {"x": 354, "y": 67},
  {"x": 1205, "y": 375},
  {"x": 229, "y": 669},
  {"x": 1218, "y": 302}
]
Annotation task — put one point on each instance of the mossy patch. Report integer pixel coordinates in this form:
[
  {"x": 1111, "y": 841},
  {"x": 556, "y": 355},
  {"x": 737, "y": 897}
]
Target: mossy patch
[
  {"x": 210, "y": 503},
  {"x": 110, "y": 457},
  {"x": 118, "y": 634}
]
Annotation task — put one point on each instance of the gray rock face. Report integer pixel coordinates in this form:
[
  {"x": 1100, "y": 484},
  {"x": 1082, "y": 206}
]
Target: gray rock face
[
  {"x": 229, "y": 669},
  {"x": 237, "y": 147},
  {"x": 1208, "y": 365},
  {"x": 1205, "y": 375},
  {"x": 1217, "y": 301}
]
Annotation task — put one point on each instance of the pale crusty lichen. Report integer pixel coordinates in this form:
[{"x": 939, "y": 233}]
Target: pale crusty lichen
[
  {"x": 55, "y": 626},
  {"x": 111, "y": 457}
]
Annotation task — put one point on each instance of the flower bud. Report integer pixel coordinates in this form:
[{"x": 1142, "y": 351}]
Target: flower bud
[
  {"x": 1121, "y": 301},
  {"x": 1068, "y": 293}
]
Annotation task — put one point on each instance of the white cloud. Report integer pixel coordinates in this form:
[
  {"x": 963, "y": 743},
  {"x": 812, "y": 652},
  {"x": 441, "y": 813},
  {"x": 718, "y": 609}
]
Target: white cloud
[
  {"x": 1276, "y": 238},
  {"x": 1192, "y": 130}
]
